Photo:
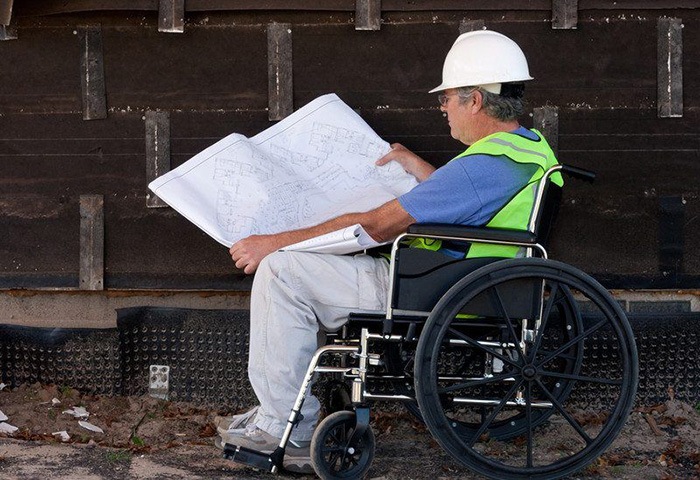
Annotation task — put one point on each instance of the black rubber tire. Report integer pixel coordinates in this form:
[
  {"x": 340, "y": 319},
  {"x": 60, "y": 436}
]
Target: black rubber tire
[
  {"x": 329, "y": 448},
  {"x": 552, "y": 375}
]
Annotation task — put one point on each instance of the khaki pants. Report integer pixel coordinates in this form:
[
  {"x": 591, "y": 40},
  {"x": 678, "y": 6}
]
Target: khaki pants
[{"x": 294, "y": 295}]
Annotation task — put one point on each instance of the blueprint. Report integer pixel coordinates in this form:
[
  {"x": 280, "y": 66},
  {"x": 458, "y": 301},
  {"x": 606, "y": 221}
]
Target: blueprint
[
  {"x": 346, "y": 240},
  {"x": 314, "y": 165}
]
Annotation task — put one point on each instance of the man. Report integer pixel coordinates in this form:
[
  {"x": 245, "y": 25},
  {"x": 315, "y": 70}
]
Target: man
[{"x": 295, "y": 294}]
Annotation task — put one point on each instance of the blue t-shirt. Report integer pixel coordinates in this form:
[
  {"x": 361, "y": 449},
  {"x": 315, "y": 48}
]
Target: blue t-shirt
[{"x": 468, "y": 190}]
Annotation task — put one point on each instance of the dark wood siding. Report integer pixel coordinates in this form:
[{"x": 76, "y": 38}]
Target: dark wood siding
[{"x": 212, "y": 79}]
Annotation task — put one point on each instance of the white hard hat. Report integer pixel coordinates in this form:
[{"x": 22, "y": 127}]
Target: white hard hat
[{"x": 483, "y": 58}]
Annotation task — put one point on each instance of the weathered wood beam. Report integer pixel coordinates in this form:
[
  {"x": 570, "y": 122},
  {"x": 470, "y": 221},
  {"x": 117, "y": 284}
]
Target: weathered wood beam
[
  {"x": 368, "y": 14},
  {"x": 52, "y": 7},
  {"x": 5, "y": 12},
  {"x": 92, "y": 74},
  {"x": 466, "y": 25},
  {"x": 546, "y": 120},
  {"x": 171, "y": 16},
  {"x": 279, "y": 71},
  {"x": 564, "y": 14},
  {"x": 669, "y": 67},
  {"x": 157, "y": 152},
  {"x": 92, "y": 242},
  {"x": 671, "y": 236}
]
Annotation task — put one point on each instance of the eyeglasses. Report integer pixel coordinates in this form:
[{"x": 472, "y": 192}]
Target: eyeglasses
[{"x": 443, "y": 98}]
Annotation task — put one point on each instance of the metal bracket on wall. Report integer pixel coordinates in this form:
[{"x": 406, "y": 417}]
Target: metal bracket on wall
[
  {"x": 280, "y": 85},
  {"x": 157, "y": 152},
  {"x": 546, "y": 120},
  {"x": 368, "y": 14},
  {"x": 92, "y": 236},
  {"x": 92, "y": 73},
  {"x": 669, "y": 67},
  {"x": 564, "y": 14},
  {"x": 171, "y": 16},
  {"x": 8, "y": 32},
  {"x": 466, "y": 25}
]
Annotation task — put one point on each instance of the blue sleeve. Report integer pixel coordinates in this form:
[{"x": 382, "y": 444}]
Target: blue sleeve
[{"x": 467, "y": 191}]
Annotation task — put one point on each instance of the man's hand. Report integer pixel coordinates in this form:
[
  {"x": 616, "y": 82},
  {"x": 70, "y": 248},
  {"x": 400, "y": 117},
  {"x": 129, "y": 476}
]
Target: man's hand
[
  {"x": 249, "y": 252},
  {"x": 410, "y": 162}
]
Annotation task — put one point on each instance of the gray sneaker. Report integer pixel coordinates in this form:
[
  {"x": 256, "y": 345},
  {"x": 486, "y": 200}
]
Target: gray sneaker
[
  {"x": 234, "y": 422},
  {"x": 297, "y": 455}
]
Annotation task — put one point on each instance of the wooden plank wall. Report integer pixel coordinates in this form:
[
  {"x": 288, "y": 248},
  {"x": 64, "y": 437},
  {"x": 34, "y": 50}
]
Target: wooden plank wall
[{"x": 602, "y": 67}]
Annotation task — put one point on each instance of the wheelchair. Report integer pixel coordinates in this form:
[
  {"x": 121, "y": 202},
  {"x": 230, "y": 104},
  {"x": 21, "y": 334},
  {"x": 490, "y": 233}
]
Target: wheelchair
[{"x": 493, "y": 354}]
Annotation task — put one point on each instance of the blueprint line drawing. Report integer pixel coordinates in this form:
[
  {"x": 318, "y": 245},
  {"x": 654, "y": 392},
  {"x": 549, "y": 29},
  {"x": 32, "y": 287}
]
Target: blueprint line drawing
[{"x": 316, "y": 164}]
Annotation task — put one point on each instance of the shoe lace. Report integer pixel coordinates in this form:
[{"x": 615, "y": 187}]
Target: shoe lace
[{"x": 251, "y": 429}]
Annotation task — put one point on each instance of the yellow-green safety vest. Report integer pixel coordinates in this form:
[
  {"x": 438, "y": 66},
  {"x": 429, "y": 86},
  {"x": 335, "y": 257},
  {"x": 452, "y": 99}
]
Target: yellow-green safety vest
[{"x": 517, "y": 212}]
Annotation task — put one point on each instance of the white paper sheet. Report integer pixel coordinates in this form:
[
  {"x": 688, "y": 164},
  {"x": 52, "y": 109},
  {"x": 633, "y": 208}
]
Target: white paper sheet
[
  {"x": 90, "y": 426},
  {"x": 7, "y": 428},
  {"x": 314, "y": 165}
]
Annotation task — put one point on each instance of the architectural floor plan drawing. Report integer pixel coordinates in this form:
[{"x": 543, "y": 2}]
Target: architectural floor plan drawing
[{"x": 314, "y": 165}]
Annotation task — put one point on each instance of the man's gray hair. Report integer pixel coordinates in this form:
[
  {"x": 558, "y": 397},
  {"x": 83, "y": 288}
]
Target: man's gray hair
[{"x": 497, "y": 106}]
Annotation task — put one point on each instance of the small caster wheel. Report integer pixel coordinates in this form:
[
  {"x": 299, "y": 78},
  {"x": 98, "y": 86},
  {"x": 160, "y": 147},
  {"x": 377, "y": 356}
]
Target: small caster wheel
[{"x": 331, "y": 456}]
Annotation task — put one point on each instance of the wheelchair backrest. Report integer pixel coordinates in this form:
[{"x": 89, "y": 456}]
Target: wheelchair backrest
[{"x": 420, "y": 277}]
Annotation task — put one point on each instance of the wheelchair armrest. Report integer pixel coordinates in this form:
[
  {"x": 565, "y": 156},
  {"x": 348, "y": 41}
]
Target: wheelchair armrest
[{"x": 471, "y": 233}]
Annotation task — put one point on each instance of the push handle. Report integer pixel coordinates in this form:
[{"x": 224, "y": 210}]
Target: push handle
[{"x": 580, "y": 173}]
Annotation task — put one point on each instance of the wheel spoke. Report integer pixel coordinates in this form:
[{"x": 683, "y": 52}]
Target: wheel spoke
[
  {"x": 332, "y": 449},
  {"x": 573, "y": 341},
  {"x": 495, "y": 295},
  {"x": 494, "y": 414},
  {"x": 572, "y": 421},
  {"x": 333, "y": 459},
  {"x": 486, "y": 349},
  {"x": 545, "y": 317},
  {"x": 528, "y": 421}
]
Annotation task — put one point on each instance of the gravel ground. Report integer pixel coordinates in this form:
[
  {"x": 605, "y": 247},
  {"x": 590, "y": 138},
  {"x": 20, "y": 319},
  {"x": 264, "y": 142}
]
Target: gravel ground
[{"x": 145, "y": 438}]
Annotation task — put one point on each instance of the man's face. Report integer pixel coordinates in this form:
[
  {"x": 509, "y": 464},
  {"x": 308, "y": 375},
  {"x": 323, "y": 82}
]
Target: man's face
[{"x": 459, "y": 115}]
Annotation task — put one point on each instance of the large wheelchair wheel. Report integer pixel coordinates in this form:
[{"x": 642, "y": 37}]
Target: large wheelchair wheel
[{"x": 544, "y": 341}]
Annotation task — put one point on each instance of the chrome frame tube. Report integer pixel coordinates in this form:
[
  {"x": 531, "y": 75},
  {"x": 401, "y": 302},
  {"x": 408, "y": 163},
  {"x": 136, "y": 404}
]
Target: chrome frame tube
[
  {"x": 510, "y": 403},
  {"x": 296, "y": 410}
]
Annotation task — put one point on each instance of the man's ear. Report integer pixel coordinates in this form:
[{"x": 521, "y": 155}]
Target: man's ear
[{"x": 478, "y": 98}]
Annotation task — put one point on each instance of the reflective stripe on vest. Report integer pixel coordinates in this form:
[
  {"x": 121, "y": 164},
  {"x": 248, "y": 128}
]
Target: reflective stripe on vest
[{"x": 517, "y": 212}]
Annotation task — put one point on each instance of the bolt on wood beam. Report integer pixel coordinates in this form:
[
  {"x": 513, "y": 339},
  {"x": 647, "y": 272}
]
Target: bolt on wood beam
[
  {"x": 564, "y": 14},
  {"x": 368, "y": 14},
  {"x": 92, "y": 73},
  {"x": 669, "y": 67},
  {"x": 280, "y": 80},
  {"x": 546, "y": 120},
  {"x": 92, "y": 242},
  {"x": 157, "y": 152},
  {"x": 171, "y": 16}
]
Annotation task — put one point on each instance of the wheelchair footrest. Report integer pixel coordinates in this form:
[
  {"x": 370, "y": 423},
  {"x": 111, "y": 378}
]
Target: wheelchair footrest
[{"x": 252, "y": 458}]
